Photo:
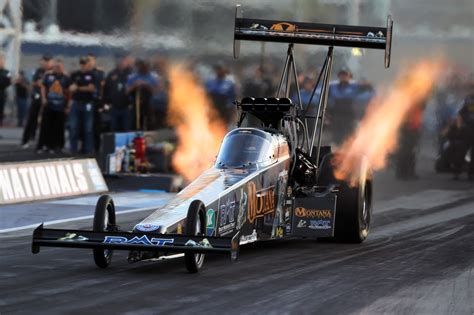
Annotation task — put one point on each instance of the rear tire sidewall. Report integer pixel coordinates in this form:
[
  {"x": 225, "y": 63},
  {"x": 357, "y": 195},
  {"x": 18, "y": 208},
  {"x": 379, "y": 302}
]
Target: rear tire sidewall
[
  {"x": 104, "y": 218},
  {"x": 351, "y": 225},
  {"x": 354, "y": 212},
  {"x": 195, "y": 215}
]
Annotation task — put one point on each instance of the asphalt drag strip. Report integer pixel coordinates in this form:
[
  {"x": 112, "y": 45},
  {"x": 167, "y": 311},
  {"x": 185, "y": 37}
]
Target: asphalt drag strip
[{"x": 419, "y": 263}]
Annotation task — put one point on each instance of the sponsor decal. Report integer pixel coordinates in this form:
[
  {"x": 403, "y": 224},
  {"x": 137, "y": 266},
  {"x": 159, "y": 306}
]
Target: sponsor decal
[
  {"x": 242, "y": 217},
  {"x": 147, "y": 227},
  {"x": 245, "y": 239},
  {"x": 256, "y": 26},
  {"x": 73, "y": 237},
  {"x": 280, "y": 204},
  {"x": 260, "y": 202},
  {"x": 283, "y": 27},
  {"x": 210, "y": 222},
  {"x": 301, "y": 224},
  {"x": 226, "y": 216},
  {"x": 288, "y": 228},
  {"x": 204, "y": 243},
  {"x": 378, "y": 34},
  {"x": 140, "y": 240},
  {"x": 319, "y": 224},
  {"x": 279, "y": 232},
  {"x": 226, "y": 229},
  {"x": 50, "y": 179},
  {"x": 313, "y": 213}
]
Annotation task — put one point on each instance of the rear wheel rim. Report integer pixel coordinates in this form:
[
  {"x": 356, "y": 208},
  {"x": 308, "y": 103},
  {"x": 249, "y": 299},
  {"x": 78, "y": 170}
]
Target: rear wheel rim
[
  {"x": 199, "y": 258},
  {"x": 107, "y": 253},
  {"x": 365, "y": 213}
]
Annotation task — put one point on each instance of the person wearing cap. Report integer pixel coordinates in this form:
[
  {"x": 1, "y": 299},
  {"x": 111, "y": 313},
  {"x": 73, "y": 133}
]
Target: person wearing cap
[
  {"x": 54, "y": 96},
  {"x": 467, "y": 115},
  {"x": 5, "y": 81},
  {"x": 454, "y": 154},
  {"x": 256, "y": 83},
  {"x": 99, "y": 75},
  {"x": 222, "y": 92},
  {"x": 115, "y": 94},
  {"x": 405, "y": 156},
  {"x": 160, "y": 99},
  {"x": 141, "y": 86},
  {"x": 343, "y": 95},
  {"x": 29, "y": 132},
  {"x": 81, "y": 117},
  {"x": 22, "y": 86},
  {"x": 306, "y": 91}
]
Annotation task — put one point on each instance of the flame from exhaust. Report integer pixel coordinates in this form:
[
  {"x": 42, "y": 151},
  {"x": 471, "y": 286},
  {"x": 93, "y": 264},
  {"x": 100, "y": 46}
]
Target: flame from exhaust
[
  {"x": 377, "y": 135},
  {"x": 198, "y": 127}
]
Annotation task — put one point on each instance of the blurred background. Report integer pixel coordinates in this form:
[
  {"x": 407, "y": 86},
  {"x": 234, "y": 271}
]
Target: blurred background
[{"x": 200, "y": 34}]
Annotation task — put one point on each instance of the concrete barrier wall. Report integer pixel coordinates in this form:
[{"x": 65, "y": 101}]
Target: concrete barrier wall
[{"x": 40, "y": 180}]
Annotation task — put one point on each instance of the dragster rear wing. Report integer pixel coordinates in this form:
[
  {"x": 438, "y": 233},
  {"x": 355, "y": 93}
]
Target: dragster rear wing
[
  {"x": 118, "y": 240},
  {"x": 312, "y": 34}
]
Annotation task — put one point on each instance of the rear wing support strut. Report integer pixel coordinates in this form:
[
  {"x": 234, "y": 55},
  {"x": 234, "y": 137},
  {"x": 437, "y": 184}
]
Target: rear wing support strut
[
  {"x": 313, "y": 34},
  {"x": 323, "y": 101}
]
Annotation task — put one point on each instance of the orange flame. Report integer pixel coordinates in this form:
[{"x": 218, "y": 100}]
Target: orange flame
[
  {"x": 376, "y": 136},
  {"x": 199, "y": 129}
]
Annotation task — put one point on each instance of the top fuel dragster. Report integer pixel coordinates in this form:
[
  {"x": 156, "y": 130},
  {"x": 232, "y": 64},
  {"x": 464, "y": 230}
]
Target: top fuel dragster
[{"x": 271, "y": 181}]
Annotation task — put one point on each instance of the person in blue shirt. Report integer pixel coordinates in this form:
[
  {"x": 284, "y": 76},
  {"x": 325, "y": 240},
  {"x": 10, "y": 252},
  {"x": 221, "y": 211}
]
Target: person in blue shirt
[
  {"x": 307, "y": 86},
  {"x": 141, "y": 86},
  {"x": 81, "y": 117},
  {"x": 54, "y": 94},
  {"x": 115, "y": 94},
  {"x": 222, "y": 91},
  {"x": 100, "y": 118},
  {"x": 344, "y": 95}
]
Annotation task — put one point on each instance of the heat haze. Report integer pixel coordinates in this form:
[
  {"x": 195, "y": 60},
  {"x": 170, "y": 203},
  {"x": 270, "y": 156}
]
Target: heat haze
[
  {"x": 377, "y": 134},
  {"x": 198, "y": 127}
]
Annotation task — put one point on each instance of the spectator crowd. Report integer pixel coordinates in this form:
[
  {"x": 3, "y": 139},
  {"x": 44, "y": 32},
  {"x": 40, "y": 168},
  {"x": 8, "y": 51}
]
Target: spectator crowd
[
  {"x": 76, "y": 107},
  {"x": 84, "y": 103}
]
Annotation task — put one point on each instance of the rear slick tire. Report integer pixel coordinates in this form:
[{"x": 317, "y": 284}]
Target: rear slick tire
[
  {"x": 195, "y": 225},
  {"x": 354, "y": 203},
  {"x": 354, "y": 208},
  {"x": 104, "y": 220}
]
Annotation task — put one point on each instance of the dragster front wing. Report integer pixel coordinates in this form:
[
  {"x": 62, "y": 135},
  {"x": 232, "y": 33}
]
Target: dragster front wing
[{"x": 118, "y": 240}]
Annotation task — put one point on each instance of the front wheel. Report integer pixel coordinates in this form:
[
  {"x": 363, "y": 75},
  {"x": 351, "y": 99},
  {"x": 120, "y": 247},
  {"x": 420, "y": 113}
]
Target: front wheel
[
  {"x": 104, "y": 220},
  {"x": 195, "y": 226}
]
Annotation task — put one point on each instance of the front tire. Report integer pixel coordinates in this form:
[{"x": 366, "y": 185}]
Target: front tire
[
  {"x": 104, "y": 220},
  {"x": 195, "y": 225}
]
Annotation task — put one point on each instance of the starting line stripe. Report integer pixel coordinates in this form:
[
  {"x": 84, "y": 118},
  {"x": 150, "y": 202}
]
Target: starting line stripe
[{"x": 31, "y": 226}]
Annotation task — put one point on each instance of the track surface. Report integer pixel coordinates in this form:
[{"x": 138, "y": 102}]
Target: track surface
[{"x": 419, "y": 259}]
